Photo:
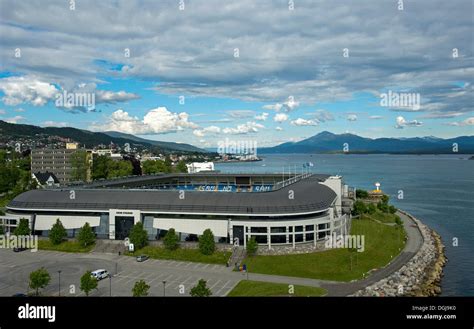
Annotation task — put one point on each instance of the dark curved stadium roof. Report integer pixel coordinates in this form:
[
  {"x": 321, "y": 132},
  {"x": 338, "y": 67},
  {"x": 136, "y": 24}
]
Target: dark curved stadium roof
[{"x": 309, "y": 196}]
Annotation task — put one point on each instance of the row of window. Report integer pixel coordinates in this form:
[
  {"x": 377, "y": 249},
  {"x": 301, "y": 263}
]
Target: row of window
[
  {"x": 282, "y": 229},
  {"x": 281, "y": 239}
]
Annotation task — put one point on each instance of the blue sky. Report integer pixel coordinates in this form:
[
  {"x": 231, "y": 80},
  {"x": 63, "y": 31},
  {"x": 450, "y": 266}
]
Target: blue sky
[{"x": 246, "y": 70}]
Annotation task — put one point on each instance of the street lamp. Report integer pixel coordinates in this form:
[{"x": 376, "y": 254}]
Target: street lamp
[
  {"x": 59, "y": 286},
  {"x": 164, "y": 288},
  {"x": 110, "y": 285}
]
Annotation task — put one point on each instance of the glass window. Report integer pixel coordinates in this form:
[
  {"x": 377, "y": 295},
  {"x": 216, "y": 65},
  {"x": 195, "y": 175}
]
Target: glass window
[
  {"x": 298, "y": 228},
  {"x": 299, "y": 238},
  {"x": 280, "y": 229},
  {"x": 258, "y": 230},
  {"x": 310, "y": 237},
  {"x": 309, "y": 228},
  {"x": 278, "y": 238},
  {"x": 260, "y": 238}
]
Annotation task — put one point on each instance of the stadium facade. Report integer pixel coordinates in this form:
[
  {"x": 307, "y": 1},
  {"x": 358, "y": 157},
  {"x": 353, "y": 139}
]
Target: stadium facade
[{"x": 276, "y": 209}]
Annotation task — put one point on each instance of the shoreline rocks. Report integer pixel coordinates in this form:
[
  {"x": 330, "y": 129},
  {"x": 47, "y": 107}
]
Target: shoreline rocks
[{"x": 420, "y": 276}]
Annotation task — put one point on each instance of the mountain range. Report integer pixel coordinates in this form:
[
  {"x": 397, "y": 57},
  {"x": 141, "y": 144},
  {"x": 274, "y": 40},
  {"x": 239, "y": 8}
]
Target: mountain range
[
  {"x": 89, "y": 138},
  {"x": 326, "y": 142}
]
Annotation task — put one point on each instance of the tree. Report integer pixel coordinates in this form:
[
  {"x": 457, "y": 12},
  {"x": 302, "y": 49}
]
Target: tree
[
  {"x": 153, "y": 167},
  {"x": 171, "y": 240},
  {"x": 392, "y": 209},
  {"x": 23, "y": 227},
  {"x": 362, "y": 194},
  {"x": 371, "y": 208},
  {"x": 138, "y": 236},
  {"x": 88, "y": 283},
  {"x": 2, "y": 230},
  {"x": 86, "y": 236},
  {"x": 359, "y": 208},
  {"x": 252, "y": 246},
  {"x": 207, "y": 245},
  {"x": 140, "y": 289},
  {"x": 382, "y": 206},
  {"x": 57, "y": 233},
  {"x": 385, "y": 199},
  {"x": 39, "y": 279},
  {"x": 119, "y": 168},
  {"x": 181, "y": 167},
  {"x": 201, "y": 290},
  {"x": 100, "y": 166},
  {"x": 80, "y": 165}
]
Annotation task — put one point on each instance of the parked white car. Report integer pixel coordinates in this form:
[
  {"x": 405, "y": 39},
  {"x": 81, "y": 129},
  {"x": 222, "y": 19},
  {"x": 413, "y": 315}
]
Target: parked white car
[{"x": 100, "y": 274}]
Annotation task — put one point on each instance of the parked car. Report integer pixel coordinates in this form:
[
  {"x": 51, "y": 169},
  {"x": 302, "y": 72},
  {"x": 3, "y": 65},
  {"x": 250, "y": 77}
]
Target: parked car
[
  {"x": 142, "y": 258},
  {"x": 20, "y": 294},
  {"x": 100, "y": 274},
  {"x": 18, "y": 249}
]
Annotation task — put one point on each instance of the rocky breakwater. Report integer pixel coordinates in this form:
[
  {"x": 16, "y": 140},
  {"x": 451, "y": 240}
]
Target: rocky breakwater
[{"x": 420, "y": 276}]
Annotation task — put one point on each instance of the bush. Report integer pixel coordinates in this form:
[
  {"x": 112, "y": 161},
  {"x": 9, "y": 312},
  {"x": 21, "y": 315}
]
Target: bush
[
  {"x": 252, "y": 246},
  {"x": 371, "y": 208},
  {"x": 392, "y": 209},
  {"x": 359, "y": 208},
  {"x": 86, "y": 236},
  {"x": 57, "y": 233},
  {"x": 171, "y": 240},
  {"x": 201, "y": 290},
  {"x": 88, "y": 283},
  {"x": 140, "y": 289},
  {"x": 362, "y": 194},
  {"x": 207, "y": 245},
  {"x": 382, "y": 207},
  {"x": 23, "y": 227},
  {"x": 39, "y": 279},
  {"x": 138, "y": 236}
]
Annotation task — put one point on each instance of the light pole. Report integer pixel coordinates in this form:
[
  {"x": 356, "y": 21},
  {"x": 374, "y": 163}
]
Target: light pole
[
  {"x": 164, "y": 288},
  {"x": 59, "y": 283},
  {"x": 110, "y": 285}
]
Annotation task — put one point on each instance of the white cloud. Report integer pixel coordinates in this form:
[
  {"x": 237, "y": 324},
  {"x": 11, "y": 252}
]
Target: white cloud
[
  {"x": 466, "y": 122},
  {"x": 156, "y": 121},
  {"x": 351, "y": 117},
  {"x": 376, "y": 117},
  {"x": 205, "y": 131},
  {"x": 304, "y": 122},
  {"x": 279, "y": 128},
  {"x": 26, "y": 89},
  {"x": 280, "y": 117},
  {"x": 249, "y": 127},
  {"x": 106, "y": 96},
  {"x": 261, "y": 117},
  {"x": 50, "y": 123},
  {"x": 15, "y": 119},
  {"x": 289, "y": 105},
  {"x": 240, "y": 114},
  {"x": 401, "y": 123},
  {"x": 2, "y": 112},
  {"x": 323, "y": 116}
]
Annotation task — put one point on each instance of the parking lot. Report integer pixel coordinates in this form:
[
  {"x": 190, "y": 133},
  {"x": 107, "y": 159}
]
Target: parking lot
[{"x": 179, "y": 277}]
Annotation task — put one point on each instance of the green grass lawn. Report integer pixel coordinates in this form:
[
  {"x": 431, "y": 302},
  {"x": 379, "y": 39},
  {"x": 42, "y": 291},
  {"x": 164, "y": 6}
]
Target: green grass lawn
[
  {"x": 382, "y": 243},
  {"x": 181, "y": 254},
  {"x": 382, "y": 217},
  {"x": 248, "y": 288},
  {"x": 65, "y": 246}
]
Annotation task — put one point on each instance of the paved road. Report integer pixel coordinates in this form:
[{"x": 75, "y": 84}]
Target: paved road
[{"x": 15, "y": 269}]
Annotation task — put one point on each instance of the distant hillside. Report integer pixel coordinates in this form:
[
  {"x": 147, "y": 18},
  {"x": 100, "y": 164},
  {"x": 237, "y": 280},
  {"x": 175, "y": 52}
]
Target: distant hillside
[
  {"x": 326, "y": 142},
  {"x": 165, "y": 145},
  {"x": 88, "y": 138}
]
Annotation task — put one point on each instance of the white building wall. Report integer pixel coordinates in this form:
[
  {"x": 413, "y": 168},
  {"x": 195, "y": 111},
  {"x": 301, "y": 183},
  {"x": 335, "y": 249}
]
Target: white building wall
[
  {"x": 43, "y": 222},
  {"x": 192, "y": 226},
  {"x": 335, "y": 183}
]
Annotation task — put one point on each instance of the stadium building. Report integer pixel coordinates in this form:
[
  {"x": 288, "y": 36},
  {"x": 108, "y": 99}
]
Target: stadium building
[{"x": 276, "y": 209}]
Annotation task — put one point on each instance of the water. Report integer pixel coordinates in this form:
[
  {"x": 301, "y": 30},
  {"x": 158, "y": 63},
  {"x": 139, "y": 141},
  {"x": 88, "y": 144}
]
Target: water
[{"x": 439, "y": 190}]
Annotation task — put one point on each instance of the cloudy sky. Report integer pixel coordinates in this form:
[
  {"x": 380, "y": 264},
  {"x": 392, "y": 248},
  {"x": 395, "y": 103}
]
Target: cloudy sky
[{"x": 270, "y": 71}]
